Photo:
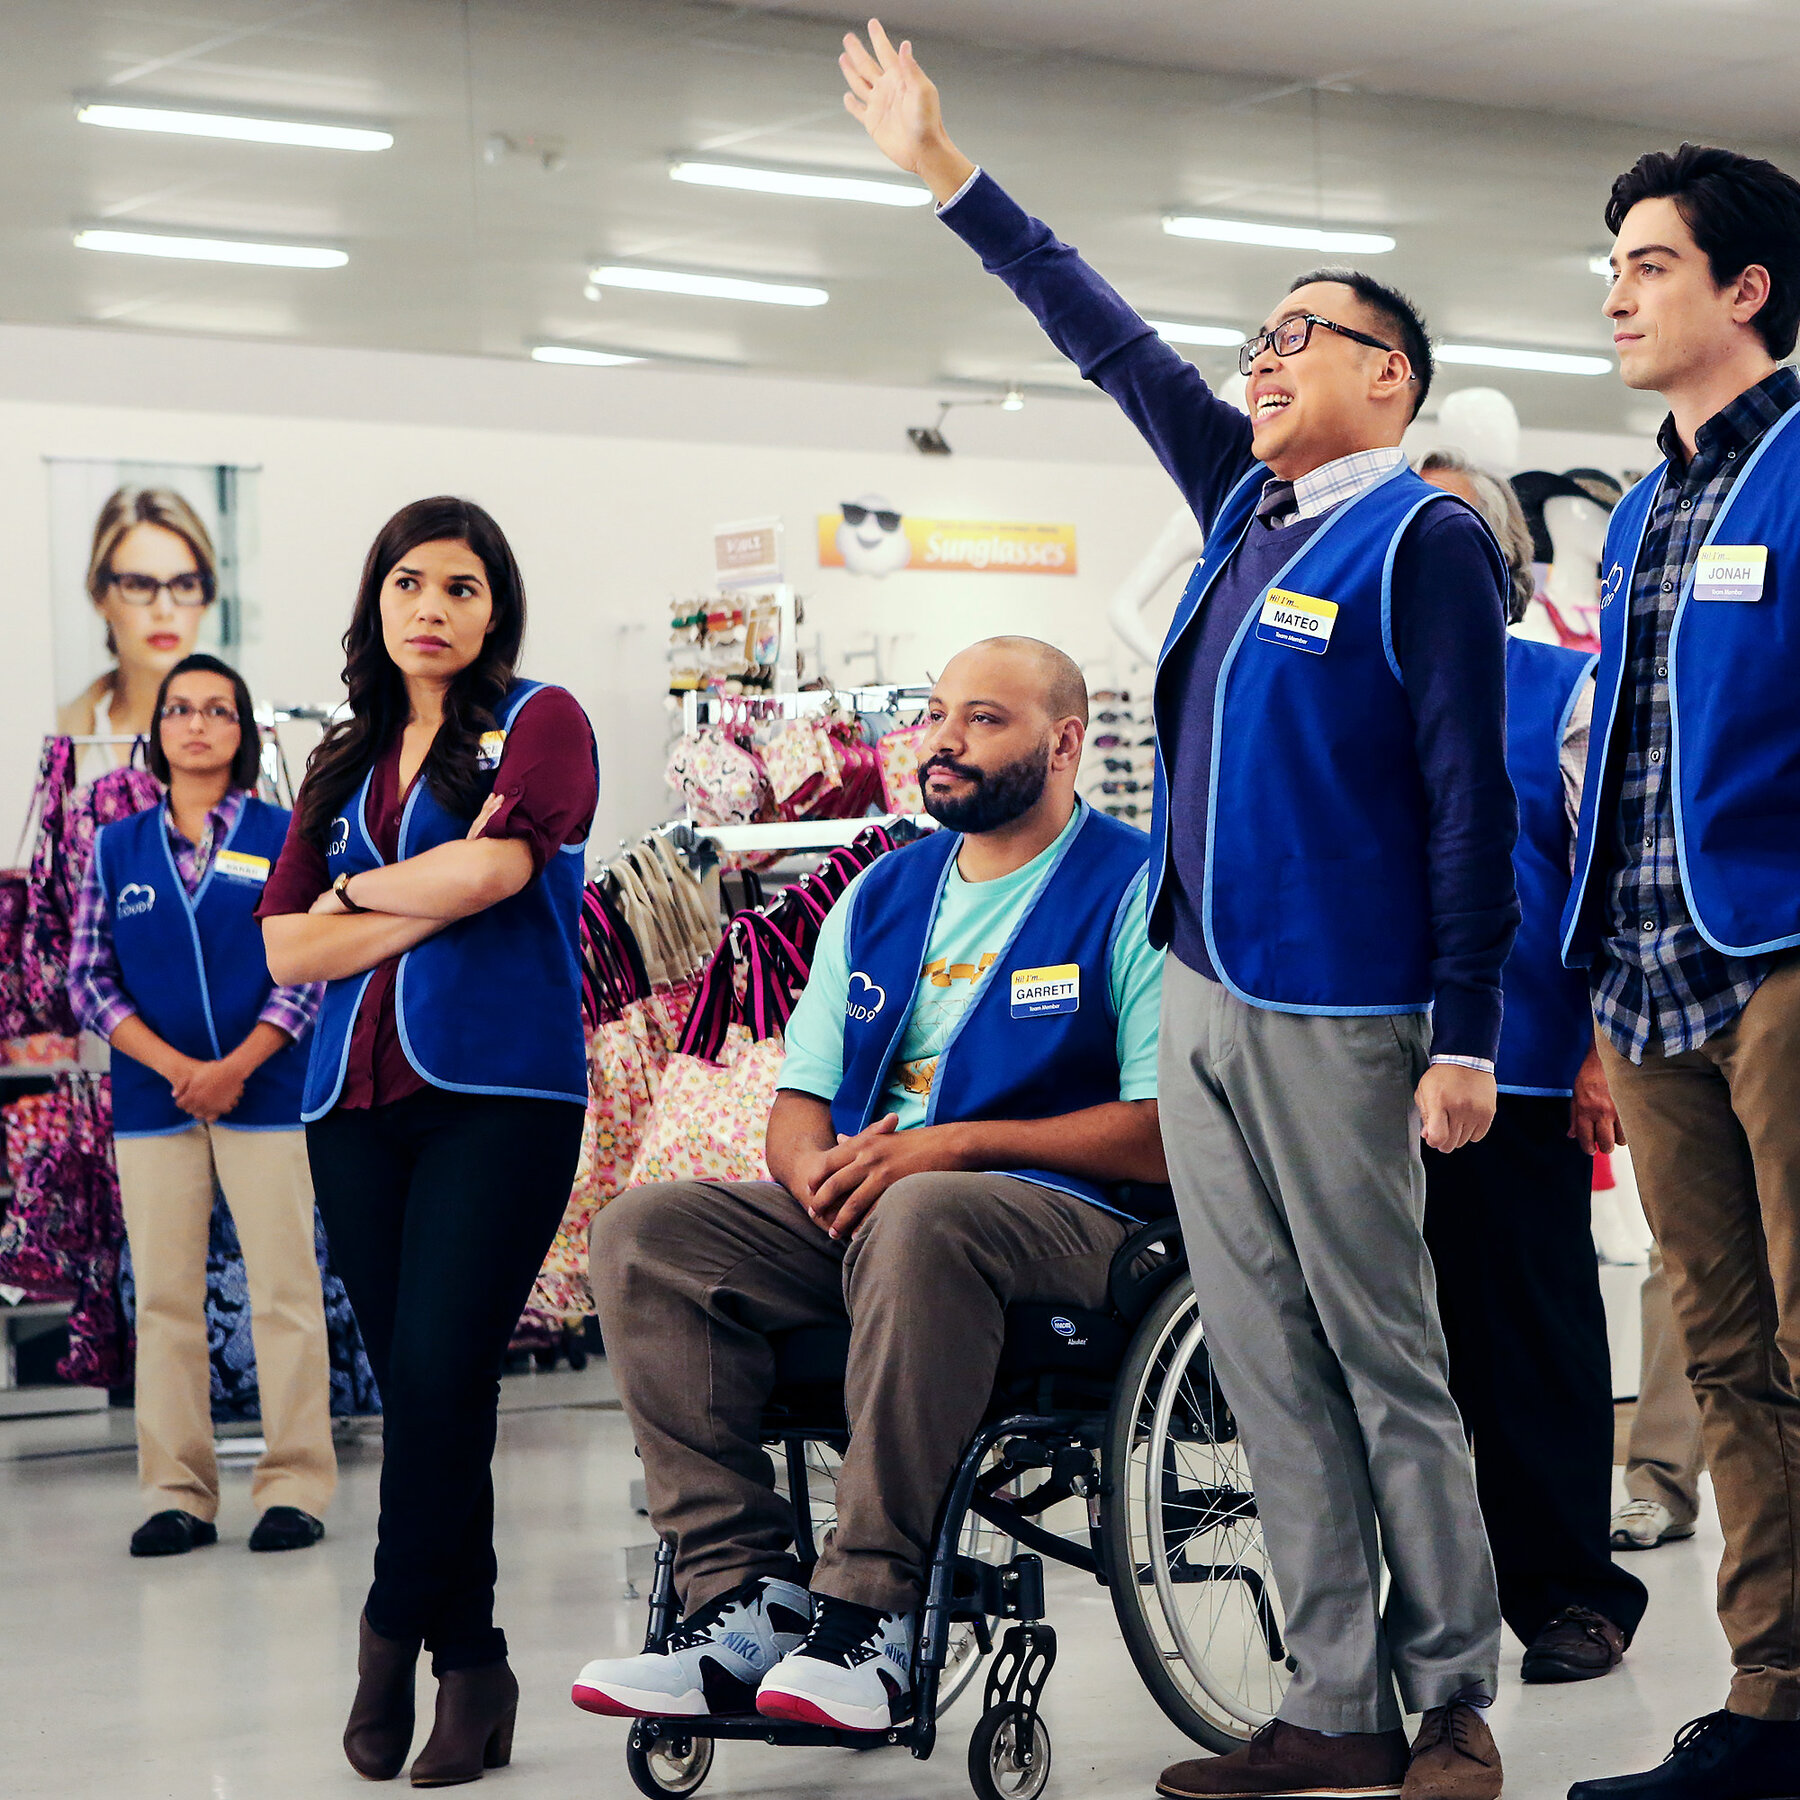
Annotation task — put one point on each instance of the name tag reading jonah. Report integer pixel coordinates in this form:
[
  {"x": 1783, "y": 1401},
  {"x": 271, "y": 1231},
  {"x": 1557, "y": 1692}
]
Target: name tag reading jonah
[
  {"x": 1037, "y": 993},
  {"x": 1297, "y": 620},
  {"x": 1730, "y": 572},
  {"x": 241, "y": 866}
]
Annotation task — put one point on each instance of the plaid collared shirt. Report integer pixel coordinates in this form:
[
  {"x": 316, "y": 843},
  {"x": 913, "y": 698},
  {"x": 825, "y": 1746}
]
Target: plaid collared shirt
[
  {"x": 1657, "y": 983},
  {"x": 1326, "y": 486},
  {"x": 96, "y": 984}
]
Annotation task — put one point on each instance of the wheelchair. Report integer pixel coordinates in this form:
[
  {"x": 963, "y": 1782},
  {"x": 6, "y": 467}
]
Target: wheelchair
[{"x": 1115, "y": 1407}]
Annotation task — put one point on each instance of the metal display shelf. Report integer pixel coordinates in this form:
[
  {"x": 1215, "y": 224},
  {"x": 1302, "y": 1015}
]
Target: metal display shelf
[{"x": 803, "y": 834}]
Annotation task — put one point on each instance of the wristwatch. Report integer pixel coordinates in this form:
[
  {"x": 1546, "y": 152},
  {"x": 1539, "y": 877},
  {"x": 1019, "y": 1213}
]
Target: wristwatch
[{"x": 341, "y": 887}]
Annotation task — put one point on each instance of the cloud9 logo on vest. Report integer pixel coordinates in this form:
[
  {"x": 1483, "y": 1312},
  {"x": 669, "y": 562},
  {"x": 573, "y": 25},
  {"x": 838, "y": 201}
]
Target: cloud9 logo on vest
[
  {"x": 1609, "y": 589},
  {"x": 340, "y": 836},
  {"x": 873, "y": 1000},
  {"x": 136, "y": 897}
]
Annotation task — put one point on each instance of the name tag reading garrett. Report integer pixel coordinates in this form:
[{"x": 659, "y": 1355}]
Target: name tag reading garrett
[
  {"x": 1297, "y": 621},
  {"x": 1037, "y": 993},
  {"x": 241, "y": 866},
  {"x": 487, "y": 752},
  {"x": 1731, "y": 572}
]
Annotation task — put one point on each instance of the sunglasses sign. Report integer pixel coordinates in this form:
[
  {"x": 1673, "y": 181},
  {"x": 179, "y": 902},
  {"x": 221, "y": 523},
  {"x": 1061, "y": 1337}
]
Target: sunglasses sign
[{"x": 872, "y": 537}]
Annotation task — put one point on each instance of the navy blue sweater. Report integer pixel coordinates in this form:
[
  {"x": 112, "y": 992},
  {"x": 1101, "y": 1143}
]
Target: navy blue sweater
[{"x": 1448, "y": 626}]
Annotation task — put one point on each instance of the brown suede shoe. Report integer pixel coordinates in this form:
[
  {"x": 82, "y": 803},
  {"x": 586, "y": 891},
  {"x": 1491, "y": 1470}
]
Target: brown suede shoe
[
  {"x": 1576, "y": 1645},
  {"x": 1284, "y": 1759},
  {"x": 1454, "y": 1757}
]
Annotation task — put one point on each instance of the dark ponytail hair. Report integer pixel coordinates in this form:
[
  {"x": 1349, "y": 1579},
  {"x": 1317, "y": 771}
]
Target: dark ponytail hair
[{"x": 377, "y": 690}]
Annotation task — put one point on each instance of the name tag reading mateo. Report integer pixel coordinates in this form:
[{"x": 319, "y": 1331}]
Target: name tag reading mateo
[
  {"x": 1731, "y": 572},
  {"x": 1037, "y": 993},
  {"x": 1297, "y": 620},
  {"x": 241, "y": 866}
]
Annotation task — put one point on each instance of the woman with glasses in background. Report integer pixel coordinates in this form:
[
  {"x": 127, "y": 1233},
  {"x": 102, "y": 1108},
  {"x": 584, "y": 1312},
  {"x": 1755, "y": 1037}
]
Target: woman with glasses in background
[
  {"x": 151, "y": 575},
  {"x": 209, "y": 1058}
]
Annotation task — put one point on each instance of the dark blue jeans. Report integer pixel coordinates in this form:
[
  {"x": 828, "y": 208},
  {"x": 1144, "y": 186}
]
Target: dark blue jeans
[{"x": 440, "y": 1209}]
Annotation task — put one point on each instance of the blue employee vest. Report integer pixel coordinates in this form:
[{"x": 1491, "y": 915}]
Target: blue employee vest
[
  {"x": 1023, "y": 1049},
  {"x": 1549, "y": 1022},
  {"x": 1734, "y": 718},
  {"x": 492, "y": 1003},
  {"x": 1316, "y": 896},
  {"x": 194, "y": 966}
]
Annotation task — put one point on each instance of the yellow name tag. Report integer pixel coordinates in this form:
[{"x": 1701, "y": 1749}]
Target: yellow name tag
[
  {"x": 487, "y": 752},
  {"x": 1731, "y": 572},
  {"x": 1297, "y": 620},
  {"x": 1036, "y": 993},
  {"x": 241, "y": 866}
]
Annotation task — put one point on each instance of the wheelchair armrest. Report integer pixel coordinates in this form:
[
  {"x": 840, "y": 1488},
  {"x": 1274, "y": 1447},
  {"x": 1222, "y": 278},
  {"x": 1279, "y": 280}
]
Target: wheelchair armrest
[{"x": 1143, "y": 1266}]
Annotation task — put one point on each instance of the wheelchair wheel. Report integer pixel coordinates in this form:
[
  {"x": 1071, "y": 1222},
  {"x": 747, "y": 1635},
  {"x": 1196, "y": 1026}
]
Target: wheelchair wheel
[
  {"x": 1190, "y": 1577},
  {"x": 979, "y": 1540},
  {"x": 667, "y": 1764},
  {"x": 1002, "y": 1765}
]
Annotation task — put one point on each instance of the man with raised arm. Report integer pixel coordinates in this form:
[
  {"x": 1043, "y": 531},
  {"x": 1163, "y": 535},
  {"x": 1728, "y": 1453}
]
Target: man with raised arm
[{"x": 1331, "y": 868}]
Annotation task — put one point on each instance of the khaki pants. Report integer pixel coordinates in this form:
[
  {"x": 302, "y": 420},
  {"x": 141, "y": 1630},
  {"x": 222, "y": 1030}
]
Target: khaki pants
[
  {"x": 690, "y": 1278},
  {"x": 1715, "y": 1140},
  {"x": 166, "y": 1184},
  {"x": 1664, "y": 1455}
]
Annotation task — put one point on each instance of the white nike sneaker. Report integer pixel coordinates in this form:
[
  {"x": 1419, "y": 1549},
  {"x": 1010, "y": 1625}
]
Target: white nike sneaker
[
  {"x": 710, "y": 1664},
  {"x": 853, "y": 1670},
  {"x": 1643, "y": 1524}
]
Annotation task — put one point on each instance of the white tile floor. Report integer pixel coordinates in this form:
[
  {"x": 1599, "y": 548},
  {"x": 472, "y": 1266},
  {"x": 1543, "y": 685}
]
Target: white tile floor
[{"x": 226, "y": 1676}]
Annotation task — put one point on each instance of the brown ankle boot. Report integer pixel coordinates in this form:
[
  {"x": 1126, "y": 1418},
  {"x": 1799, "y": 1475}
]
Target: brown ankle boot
[
  {"x": 473, "y": 1729},
  {"x": 380, "y": 1731}
]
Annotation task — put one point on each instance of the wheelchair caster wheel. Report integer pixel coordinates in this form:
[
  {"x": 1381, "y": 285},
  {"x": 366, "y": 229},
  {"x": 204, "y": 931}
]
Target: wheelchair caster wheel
[
  {"x": 1002, "y": 1764},
  {"x": 668, "y": 1763}
]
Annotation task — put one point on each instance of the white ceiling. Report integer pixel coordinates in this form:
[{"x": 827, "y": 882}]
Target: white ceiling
[{"x": 1099, "y": 117}]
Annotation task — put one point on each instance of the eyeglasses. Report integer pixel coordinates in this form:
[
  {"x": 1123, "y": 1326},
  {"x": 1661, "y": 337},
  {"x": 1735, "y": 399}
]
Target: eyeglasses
[
  {"x": 1129, "y": 810},
  {"x": 1292, "y": 336},
  {"x": 215, "y": 712},
  {"x": 1125, "y": 787},
  {"x": 1118, "y": 765},
  {"x": 854, "y": 515},
  {"x": 134, "y": 589}
]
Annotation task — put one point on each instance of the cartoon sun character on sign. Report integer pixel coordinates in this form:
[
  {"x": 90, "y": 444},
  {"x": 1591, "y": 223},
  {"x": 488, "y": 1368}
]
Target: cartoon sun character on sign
[{"x": 870, "y": 540}]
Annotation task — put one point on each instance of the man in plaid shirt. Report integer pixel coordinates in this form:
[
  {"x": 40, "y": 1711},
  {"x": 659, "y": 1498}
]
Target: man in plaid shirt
[{"x": 1686, "y": 906}]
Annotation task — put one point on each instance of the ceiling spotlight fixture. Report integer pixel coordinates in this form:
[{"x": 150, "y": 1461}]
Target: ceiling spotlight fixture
[
  {"x": 1601, "y": 264},
  {"x": 1171, "y": 331},
  {"x": 707, "y": 287},
  {"x": 1014, "y": 400},
  {"x": 188, "y": 248},
  {"x": 805, "y": 184},
  {"x": 1280, "y": 237},
  {"x": 1544, "y": 362},
  {"x": 181, "y": 121},
  {"x": 929, "y": 440},
  {"x": 582, "y": 357}
]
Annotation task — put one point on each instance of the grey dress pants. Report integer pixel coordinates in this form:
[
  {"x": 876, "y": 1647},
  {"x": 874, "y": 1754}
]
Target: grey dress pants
[{"x": 1293, "y": 1147}]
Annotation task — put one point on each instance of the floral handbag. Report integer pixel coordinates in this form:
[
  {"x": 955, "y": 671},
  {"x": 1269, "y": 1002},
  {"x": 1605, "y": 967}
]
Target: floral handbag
[
  {"x": 899, "y": 754},
  {"x": 710, "y": 1118}
]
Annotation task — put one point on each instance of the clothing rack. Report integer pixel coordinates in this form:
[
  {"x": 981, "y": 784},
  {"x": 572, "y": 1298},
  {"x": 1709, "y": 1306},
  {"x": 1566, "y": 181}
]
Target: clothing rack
[{"x": 704, "y": 708}]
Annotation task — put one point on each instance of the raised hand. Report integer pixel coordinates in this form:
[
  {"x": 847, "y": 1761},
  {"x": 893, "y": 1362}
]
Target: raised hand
[{"x": 896, "y": 103}]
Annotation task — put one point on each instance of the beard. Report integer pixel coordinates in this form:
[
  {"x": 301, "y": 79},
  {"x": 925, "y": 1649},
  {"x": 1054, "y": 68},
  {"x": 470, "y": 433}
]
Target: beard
[{"x": 999, "y": 796}]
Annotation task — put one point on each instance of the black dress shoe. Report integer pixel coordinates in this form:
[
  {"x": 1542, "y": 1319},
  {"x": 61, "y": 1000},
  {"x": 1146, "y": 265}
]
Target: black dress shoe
[
  {"x": 172, "y": 1533},
  {"x": 1576, "y": 1645},
  {"x": 285, "y": 1528},
  {"x": 1723, "y": 1756}
]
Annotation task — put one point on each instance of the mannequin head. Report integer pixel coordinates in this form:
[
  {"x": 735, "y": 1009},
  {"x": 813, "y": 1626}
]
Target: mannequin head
[{"x": 1484, "y": 425}]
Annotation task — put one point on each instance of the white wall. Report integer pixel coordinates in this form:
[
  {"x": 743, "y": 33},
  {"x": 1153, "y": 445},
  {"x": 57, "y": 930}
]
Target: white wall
[{"x": 608, "y": 483}]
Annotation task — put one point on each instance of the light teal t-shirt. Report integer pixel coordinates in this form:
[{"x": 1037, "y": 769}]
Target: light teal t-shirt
[{"x": 974, "y": 921}]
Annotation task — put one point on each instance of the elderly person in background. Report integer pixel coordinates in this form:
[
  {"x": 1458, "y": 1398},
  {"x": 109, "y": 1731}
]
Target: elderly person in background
[{"x": 1507, "y": 1219}]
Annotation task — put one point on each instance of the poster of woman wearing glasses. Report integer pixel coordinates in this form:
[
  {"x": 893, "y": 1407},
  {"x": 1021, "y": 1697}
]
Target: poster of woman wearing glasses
[{"x": 148, "y": 562}]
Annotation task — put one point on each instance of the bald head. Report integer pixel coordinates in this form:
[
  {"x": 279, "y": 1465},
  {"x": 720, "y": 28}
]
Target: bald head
[{"x": 1028, "y": 664}]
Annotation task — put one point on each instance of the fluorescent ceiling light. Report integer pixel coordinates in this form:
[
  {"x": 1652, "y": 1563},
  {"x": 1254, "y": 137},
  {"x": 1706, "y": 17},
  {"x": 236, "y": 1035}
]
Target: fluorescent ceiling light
[
  {"x": 206, "y": 249},
  {"x": 1547, "y": 362},
  {"x": 708, "y": 287},
  {"x": 807, "y": 185},
  {"x": 1173, "y": 332},
  {"x": 184, "y": 123},
  {"x": 1601, "y": 265},
  {"x": 587, "y": 359},
  {"x": 1281, "y": 237}
]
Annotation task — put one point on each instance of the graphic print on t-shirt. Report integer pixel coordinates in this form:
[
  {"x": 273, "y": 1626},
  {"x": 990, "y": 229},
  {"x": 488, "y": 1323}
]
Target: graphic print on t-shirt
[{"x": 945, "y": 990}]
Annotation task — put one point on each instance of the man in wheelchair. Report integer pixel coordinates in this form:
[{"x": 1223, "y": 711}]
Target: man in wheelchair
[{"x": 971, "y": 1065}]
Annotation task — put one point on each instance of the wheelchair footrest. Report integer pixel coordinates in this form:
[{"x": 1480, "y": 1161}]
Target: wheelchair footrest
[
  {"x": 1009, "y": 1590},
  {"x": 754, "y": 1727}
]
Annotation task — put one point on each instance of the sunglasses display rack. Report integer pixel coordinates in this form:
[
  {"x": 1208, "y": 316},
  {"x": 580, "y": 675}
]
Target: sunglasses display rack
[
  {"x": 736, "y": 640},
  {"x": 1119, "y": 759}
]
